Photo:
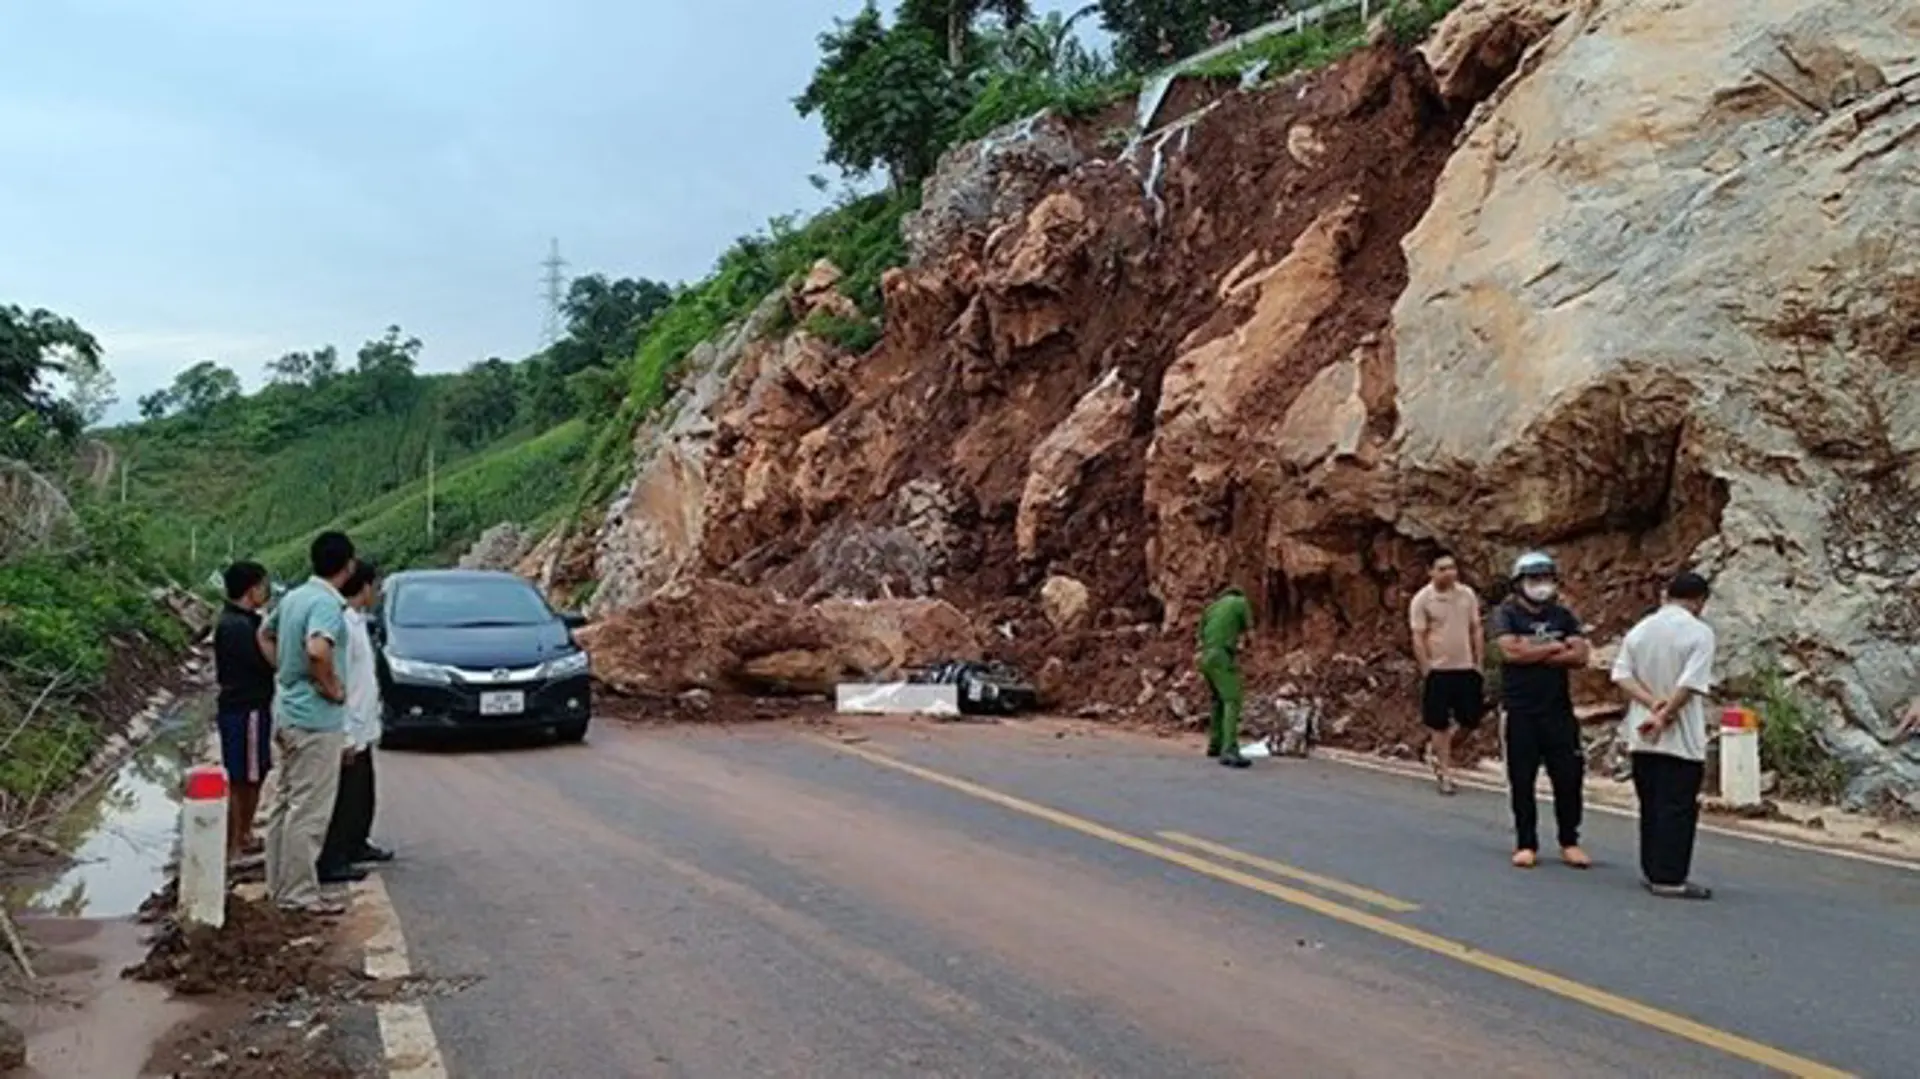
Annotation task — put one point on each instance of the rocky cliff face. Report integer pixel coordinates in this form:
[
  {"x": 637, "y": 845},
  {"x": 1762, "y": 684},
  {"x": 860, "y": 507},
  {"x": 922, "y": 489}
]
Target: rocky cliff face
[
  {"x": 1662, "y": 310},
  {"x": 1623, "y": 278}
]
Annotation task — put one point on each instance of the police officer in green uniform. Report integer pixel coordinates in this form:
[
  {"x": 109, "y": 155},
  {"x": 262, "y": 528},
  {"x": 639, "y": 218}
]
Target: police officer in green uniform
[{"x": 1222, "y": 626}]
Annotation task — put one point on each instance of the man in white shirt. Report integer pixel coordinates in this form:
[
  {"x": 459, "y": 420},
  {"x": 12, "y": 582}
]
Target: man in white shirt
[
  {"x": 348, "y": 844},
  {"x": 1665, "y": 667}
]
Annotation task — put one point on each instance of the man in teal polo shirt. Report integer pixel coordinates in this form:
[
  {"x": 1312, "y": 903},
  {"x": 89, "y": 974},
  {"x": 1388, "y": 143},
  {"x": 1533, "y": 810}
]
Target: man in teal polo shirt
[{"x": 307, "y": 635}]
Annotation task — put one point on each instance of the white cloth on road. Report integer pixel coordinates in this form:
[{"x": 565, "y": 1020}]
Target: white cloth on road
[
  {"x": 363, "y": 685},
  {"x": 1667, "y": 651}
]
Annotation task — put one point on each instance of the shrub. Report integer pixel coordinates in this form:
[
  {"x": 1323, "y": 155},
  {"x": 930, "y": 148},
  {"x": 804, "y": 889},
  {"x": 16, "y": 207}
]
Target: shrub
[
  {"x": 1790, "y": 742},
  {"x": 856, "y": 335},
  {"x": 61, "y": 617},
  {"x": 1412, "y": 20}
]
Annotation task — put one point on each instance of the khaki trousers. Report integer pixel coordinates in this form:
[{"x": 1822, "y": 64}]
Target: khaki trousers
[{"x": 308, "y": 766}]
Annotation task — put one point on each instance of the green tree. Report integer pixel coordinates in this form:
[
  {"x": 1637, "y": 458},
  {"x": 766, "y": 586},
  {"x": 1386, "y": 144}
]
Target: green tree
[
  {"x": 596, "y": 392},
  {"x": 606, "y": 318},
  {"x": 36, "y": 348},
  {"x": 385, "y": 367},
  {"x": 1151, "y": 33},
  {"x": 482, "y": 403},
  {"x": 90, "y": 390},
  {"x": 156, "y": 405},
  {"x": 886, "y": 97},
  {"x": 1048, "y": 48},
  {"x": 953, "y": 21},
  {"x": 544, "y": 397},
  {"x": 314, "y": 368},
  {"x": 202, "y": 388}
]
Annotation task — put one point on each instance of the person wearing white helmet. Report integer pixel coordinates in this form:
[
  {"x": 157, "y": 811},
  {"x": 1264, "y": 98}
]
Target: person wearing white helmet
[{"x": 1540, "y": 641}]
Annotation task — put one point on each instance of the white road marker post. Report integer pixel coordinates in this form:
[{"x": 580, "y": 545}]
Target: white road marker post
[
  {"x": 203, "y": 847},
  {"x": 1740, "y": 757}
]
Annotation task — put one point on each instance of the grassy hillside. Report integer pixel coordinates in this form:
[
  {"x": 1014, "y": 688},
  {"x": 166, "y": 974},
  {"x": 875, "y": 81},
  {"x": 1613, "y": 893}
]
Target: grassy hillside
[
  {"x": 520, "y": 479},
  {"x": 218, "y": 485},
  {"x": 234, "y": 488}
]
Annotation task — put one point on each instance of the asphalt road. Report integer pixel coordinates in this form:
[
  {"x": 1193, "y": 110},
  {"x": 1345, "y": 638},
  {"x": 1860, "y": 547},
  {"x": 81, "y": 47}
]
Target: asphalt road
[{"x": 997, "y": 901}]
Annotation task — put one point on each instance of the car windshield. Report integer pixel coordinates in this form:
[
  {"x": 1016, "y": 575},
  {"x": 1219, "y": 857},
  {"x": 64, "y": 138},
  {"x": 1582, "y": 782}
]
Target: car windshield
[{"x": 469, "y": 603}]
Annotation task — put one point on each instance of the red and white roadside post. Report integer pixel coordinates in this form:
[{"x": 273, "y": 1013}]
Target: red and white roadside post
[
  {"x": 1740, "y": 757},
  {"x": 203, "y": 847}
]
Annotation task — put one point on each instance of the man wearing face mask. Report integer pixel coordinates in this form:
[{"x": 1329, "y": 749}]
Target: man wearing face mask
[
  {"x": 1665, "y": 667},
  {"x": 1540, "y": 641}
]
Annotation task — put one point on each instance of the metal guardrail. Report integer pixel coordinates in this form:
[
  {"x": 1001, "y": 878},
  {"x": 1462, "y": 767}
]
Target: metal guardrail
[{"x": 1154, "y": 93}]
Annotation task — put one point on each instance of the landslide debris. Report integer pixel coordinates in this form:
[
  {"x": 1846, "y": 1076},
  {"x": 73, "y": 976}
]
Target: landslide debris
[{"x": 1608, "y": 276}]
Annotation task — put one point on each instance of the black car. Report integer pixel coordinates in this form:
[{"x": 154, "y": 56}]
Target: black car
[{"x": 470, "y": 650}]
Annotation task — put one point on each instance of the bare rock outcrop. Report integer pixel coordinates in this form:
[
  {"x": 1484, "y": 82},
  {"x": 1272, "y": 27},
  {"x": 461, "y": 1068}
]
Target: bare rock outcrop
[
  {"x": 34, "y": 512},
  {"x": 652, "y": 532},
  {"x": 1660, "y": 312},
  {"x": 502, "y": 547},
  {"x": 981, "y": 184}
]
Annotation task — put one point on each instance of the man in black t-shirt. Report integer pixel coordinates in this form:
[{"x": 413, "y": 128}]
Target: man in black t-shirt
[
  {"x": 1540, "y": 641},
  {"x": 244, "y": 714}
]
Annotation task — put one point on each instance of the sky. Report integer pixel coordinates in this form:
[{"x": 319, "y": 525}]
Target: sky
[{"x": 232, "y": 180}]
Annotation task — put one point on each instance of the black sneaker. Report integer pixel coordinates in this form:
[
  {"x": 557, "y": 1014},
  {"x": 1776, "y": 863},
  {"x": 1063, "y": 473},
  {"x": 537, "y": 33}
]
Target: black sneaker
[
  {"x": 341, "y": 874},
  {"x": 1213, "y": 751},
  {"x": 371, "y": 853},
  {"x": 1235, "y": 760}
]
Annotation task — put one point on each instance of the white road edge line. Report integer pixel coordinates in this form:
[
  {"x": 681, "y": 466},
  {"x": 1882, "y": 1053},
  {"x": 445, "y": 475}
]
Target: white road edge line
[
  {"x": 1350, "y": 760},
  {"x": 406, "y": 1032}
]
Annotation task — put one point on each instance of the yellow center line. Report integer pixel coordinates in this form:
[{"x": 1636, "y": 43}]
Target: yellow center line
[
  {"x": 1599, "y": 999},
  {"x": 1282, "y": 869}
]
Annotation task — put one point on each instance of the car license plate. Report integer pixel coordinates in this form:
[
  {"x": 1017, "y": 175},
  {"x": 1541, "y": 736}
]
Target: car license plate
[{"x": 502, "y": 704}]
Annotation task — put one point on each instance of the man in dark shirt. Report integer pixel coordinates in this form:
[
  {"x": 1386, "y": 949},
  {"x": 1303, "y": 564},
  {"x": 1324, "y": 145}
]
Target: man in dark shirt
[
  {"x": 1540, "y": 641},
  {"x": 245, "y": 710}
]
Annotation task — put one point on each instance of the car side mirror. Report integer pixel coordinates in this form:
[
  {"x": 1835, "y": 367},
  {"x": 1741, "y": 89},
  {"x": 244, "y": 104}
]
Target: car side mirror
[{"x": 573, "y": 620}]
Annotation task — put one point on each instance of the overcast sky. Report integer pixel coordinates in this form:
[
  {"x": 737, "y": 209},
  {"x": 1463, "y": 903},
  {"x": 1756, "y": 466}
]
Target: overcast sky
[{"x": 233, "y": 179}]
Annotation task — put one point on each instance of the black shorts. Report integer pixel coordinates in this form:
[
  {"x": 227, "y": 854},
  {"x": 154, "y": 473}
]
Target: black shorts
[{"x": 1449, "y": 698}]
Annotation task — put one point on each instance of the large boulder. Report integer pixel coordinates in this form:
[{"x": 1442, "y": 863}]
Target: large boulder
[
  {"x": 700, "y": 633},
  {"x": 1662, "y": 309},
  {"x": 1100, "y": 421}
]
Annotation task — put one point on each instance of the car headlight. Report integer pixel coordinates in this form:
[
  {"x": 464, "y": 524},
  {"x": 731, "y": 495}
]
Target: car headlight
[
  {"x": 409, "y": 670},
  {"x": 566, "y": 666}
]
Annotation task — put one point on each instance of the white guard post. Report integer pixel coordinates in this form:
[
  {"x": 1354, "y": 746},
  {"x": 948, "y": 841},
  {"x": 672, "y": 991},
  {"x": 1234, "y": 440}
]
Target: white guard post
[
  {"x": 203, "y": 847},
  {"x": 1740, "y": 757}
]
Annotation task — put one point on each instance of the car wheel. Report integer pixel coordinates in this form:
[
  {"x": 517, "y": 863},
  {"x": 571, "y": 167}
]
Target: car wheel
[{"x": 572, "y": 732}]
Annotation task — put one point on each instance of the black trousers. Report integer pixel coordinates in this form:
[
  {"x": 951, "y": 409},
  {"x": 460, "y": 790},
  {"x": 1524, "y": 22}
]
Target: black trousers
[
  {"x": 351, "y": 827},
  {"x": 1551, "y": 739},
  {"x": 1669, "y": 791}
]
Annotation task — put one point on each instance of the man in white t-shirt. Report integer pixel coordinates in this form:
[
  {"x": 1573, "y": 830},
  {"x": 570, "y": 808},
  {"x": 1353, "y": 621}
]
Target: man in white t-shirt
[{"x": 1665, "y": 667}]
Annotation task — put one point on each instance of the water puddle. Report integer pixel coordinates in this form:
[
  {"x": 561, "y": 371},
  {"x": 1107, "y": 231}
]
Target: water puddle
[{"x": 122, "y": 837}]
